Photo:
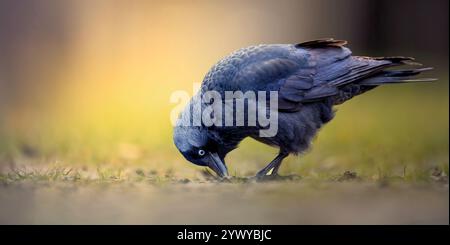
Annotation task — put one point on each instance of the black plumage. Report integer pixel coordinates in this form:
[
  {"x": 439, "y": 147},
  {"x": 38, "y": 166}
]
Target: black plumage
[{"x": 310, "y": 78}]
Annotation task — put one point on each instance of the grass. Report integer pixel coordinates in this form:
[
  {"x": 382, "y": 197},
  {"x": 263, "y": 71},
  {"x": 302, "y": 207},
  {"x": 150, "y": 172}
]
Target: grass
[
  {"x": 394, "y": 131},
  {"x": 139, "y": 175}
]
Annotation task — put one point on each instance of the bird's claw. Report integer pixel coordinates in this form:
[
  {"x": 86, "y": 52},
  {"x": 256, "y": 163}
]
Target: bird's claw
[{"x": 226, "y": 179}]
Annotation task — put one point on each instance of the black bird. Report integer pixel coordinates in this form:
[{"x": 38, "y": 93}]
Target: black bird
[{"x": 310, "y": 78}]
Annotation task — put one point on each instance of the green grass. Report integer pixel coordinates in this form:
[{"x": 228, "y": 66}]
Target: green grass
[{"x": 393, "y": 132}]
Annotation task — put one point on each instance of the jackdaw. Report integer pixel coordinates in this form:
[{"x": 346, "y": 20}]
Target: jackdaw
[{"x": 309, "y": 77}]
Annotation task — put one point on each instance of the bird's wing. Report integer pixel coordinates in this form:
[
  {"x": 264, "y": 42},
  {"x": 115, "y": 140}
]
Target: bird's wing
[
  {"x": 334, "y": 69},
  {"x": 326, "y": 60},
  {"x": 297, "y": 72},
  {"x": 302, "y": 73}
]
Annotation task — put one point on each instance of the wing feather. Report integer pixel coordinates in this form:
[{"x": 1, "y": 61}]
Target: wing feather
[{"x": 306, "y": 72}]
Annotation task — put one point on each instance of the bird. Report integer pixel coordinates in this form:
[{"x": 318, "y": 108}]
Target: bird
[{"x": 310, "y": 79}]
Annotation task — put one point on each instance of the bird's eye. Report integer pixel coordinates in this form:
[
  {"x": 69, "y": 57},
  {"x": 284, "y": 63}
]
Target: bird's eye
[{"x": 201, "y": 152}]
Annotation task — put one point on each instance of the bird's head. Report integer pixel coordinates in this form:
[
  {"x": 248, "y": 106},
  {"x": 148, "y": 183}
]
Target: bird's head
[{"x": 200, "y": 147}]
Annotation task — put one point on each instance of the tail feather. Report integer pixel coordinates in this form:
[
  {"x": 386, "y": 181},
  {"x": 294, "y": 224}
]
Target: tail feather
[
  {"x": 396, "y": 76},
  {"x": 410, "y": 72},
  {"x": 353, "y": 89}
]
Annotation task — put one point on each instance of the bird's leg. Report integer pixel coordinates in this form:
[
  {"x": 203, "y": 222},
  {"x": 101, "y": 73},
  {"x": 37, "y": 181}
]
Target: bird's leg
[
  {"x": 274, "y": 165},
  {"x": 277, "y": 166}
]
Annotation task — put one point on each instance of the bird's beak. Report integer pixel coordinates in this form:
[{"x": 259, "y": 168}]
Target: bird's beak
[{"x": 217, "y": 165}]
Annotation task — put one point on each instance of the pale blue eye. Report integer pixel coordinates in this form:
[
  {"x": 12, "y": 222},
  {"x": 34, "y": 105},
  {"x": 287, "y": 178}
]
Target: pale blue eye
[{"x": 201, "y": 152}]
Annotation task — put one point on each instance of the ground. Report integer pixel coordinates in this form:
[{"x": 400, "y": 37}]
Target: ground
[{"x": 152, "y": 201}]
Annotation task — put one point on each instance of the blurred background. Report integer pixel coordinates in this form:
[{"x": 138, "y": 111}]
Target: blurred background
[{"x": 87, "y": 83}]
